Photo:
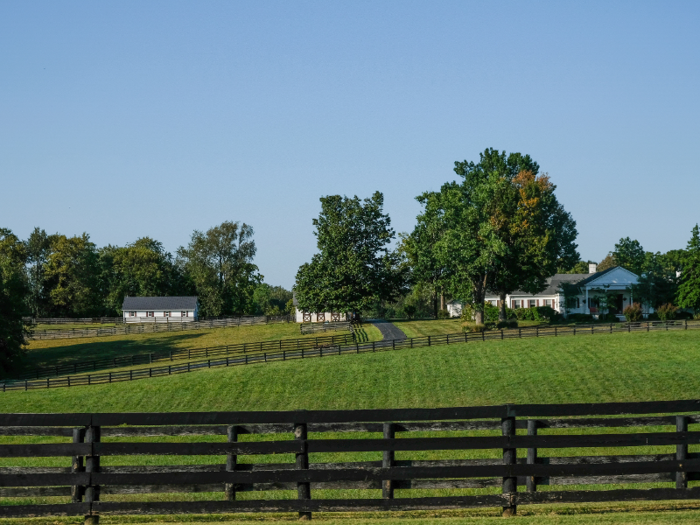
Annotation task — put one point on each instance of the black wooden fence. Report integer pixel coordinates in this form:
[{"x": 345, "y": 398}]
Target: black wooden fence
[
  {"x": 253, "y": 355},
  {"x": 154, "y": 327},
  {"x": 72, "y": 320},
  {"x": 178, "y": 354},
  {"x": 449, "y": 457},
  {"x": 336, "y": 326}
]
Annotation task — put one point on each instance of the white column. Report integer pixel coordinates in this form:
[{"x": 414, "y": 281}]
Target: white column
[{"x": 588, "y": 308}]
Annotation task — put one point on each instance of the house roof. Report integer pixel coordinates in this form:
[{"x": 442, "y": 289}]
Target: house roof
[
  {"x": 160, "y": 303},
  {"x": 581, "y": 279},
  {"x": 596, "y": 275}
]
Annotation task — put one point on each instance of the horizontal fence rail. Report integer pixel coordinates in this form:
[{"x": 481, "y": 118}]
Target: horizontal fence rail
[
  {"x": 272, "y": 353},
  {"x": 71, "y": 320},
  {"x": 337, "y": 326},
  {"x": 179, "y": 354},
  {"x": 456, "y": 457},
  {"x": 155, "y": 327}
]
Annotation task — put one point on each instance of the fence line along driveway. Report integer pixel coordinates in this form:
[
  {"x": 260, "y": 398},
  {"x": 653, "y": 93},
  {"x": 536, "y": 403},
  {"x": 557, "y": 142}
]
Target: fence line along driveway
[
  {"x": 81, "y": 479},
  {"x": 388, "y": 330},
  {"x": 334, "y": 350},
  {"x": 155, "y": 327}
]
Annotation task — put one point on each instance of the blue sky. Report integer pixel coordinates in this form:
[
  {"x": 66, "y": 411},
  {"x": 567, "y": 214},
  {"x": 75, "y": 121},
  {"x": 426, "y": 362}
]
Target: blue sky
[{"x": 130, "y": 119}]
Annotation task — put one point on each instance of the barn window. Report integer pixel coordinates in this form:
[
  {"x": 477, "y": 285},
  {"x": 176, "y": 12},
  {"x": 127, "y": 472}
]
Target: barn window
[
  {"x": 132, "y": 314},
  {"x": 166, "y": 314},
  {"x": 184, "y": 314},
  {"x": 149, "y": 314}
]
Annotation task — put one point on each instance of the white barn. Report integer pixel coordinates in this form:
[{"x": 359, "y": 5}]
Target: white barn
[
  {"x": 160, "y": 309},
  {"x": 592, "y": 285},
  {"x": 318, "y": 317}
]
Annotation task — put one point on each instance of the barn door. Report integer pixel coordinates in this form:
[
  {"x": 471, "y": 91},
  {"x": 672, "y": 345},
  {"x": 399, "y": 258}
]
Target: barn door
[{"x": 307, "y": 317}]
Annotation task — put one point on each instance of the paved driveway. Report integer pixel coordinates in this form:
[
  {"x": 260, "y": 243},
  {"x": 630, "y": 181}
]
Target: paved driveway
[{"x": 389, "y": 330}]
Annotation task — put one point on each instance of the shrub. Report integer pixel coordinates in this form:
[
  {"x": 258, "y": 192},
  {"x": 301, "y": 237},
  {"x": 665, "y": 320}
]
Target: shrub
[
  {"x": 667, "y": 312},
  {"x": 409, "y": 310},
  {"x": 682, "y": 314},
  {"x": 443, "y": 314},
  {"x": 608, "y": 318},
  {"x": 510, "y": 323},
  {"x": 633, "y": 312},
  {"x": 473, "y": 327},
  {"x": 696, "y": 316},
  {"x": 653, "y": 317},
  {"x": 580, "y": 318},
  {"x": 536, "y": 313}
]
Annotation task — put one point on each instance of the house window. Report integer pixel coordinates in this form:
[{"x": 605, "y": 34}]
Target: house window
[
  {"x": 548, "y": 302},
  {"x": 184, "y": 314},
  {"x": 149, "y": 314},
  {"x": 132, "y": 314},
  {"x": 516, "y": 304},
  {"x": 533, "y": 303}
]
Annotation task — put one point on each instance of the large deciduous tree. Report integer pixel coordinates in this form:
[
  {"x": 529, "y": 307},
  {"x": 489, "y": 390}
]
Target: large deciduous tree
[
  {"x": 689, "y": 289},
  {"x": 13, "y": 292},
  {"x": 71, "y": 273},
  {"x": 355, "y": 267},
  {"x": 38, "y": 247},
  {"x": 219, "y": 265}
]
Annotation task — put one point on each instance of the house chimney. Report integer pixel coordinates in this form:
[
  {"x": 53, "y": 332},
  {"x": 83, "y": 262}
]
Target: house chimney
[{"x": 592, "y": 267}]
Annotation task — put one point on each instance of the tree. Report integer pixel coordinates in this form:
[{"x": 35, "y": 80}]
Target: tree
[
  {"x": 13, "y": 293},
  {"x": 71, "y": 272},
  {"x": 630, "y": 255},
  {"x": 271, "y": 300},
  {"x": 688, "y": 295},
  {"x": 607, "y": 262},
  {"x": 579, "y": 267},
  {"x": 219, "y": 266},
  {"x": 538, "y": 235},
  {"x": 143, "y": 268},
  {"x": 38, "y": 248},
  {"x": 354, "y": 268},
  {"x": 657, "y": 284}
]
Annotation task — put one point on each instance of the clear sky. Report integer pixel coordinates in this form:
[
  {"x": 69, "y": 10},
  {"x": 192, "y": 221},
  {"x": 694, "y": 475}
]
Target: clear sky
[{"x": 130, "y": 119}]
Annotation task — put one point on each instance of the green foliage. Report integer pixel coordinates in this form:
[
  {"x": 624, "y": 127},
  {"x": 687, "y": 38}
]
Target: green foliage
[
  {"x": 473, "y": 327},
  {"x": 633, "y": 313},
  {"x": 579, "y": 267},
  {"x": 608, "y": 318},
  {"x": 607, "y": 262},
  {"x": 688, "y": 295},
  {"x": 658, "y": 284},
  {"x": 38, "y": 247},
  {"x": 71, "y": 272},
  {"x": 443, "y": 314},
  {"x": 219, "y": 266},
  {"x": 536, "y": 313},
  {"x": 355, "y": 269},
  {"x": 14, "y": 290},
  {"x": 510, "y": 323},
  {"x": 272, "y": 300},
  {"x": 630, "y": 255},
  {"x": 667, "y": 312}
]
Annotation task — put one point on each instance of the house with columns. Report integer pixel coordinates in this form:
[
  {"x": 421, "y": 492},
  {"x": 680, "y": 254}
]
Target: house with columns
[{"x": 594, "y": 289}]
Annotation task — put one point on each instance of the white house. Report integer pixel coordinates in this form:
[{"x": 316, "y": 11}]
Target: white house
[
  {"x": 160, "y": 309},
  {"x": 593, "y": 286},
  {"x": 318, "y": 317}
]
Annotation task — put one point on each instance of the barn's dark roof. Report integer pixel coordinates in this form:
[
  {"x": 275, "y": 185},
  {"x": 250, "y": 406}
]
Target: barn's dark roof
[{"x": 159, "y": 303}]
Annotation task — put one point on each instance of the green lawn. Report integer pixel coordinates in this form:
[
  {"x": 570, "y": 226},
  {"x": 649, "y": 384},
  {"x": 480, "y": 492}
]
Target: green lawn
[
  {"x": 56, "y": 351},
  {"x": 599, "y": 368},
  {"x": 606, "y": 367}
]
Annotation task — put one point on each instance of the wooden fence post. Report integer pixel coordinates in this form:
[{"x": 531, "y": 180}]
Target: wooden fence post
[
  {"x": 92, "y": 464},
  {"x": 681, "y": 452},
  {"x": 510, "y": 484},
  {"x": 231, "y": 462},
  {"x": 388, "y": 461},
  {"x": 302, "y": 463},
  {"x": 77, "y": 466},
  {"x": 531, "y": 455}
]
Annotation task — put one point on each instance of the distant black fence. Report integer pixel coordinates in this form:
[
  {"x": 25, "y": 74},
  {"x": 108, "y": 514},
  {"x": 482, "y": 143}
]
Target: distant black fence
[
  {"x": 178, "y": 354},
  {"x": 337, "y": 326},
  {"x": 327, "y": 350},
  {"x": 483, "y": 469},
  {"x": 156, "y": 327},
  {"x": 72, "y": 320}
]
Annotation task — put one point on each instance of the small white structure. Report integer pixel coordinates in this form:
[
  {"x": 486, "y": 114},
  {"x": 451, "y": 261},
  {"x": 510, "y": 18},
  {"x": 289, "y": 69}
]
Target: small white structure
[
  {"x": 160, "y": 309},
  {"x": 318, "y": 317},
  {"x": 593, "y": 287}
]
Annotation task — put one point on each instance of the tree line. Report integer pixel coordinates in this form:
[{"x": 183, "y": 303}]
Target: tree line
[{"x": 498, "y": 228}]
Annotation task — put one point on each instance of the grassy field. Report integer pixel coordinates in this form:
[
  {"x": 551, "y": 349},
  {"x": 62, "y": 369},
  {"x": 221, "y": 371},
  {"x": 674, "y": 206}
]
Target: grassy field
[
  {"x": 617, "y": 367},
  {"x": 56, "y": 351},
  {"x": 441, "y": 326}
]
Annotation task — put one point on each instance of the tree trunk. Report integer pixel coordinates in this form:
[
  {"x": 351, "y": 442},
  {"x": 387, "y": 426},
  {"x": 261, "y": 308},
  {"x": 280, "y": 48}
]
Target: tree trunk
[
  {"x": 478, "y": 296},
  {"x": 502, "y": 308},
  {"x": 442, "y": 301},
  {"x": 435, "y": 304}
]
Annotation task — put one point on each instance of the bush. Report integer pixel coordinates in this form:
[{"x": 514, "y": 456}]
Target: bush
[
  {"x": 633, "y": 313},
  {"x": 580, "y": 318},
  {"x": 536, "y": 313},
  {"x": 653, "y": 317},
  {"x": 608, "y": 318},
  {"x": 682, "y": 314},
  {"x": 443, "y": 314},
  {"x": 510, "y": 323},
  {"x": 473, "y": 327},
  {"x": 667, "y": 312}
]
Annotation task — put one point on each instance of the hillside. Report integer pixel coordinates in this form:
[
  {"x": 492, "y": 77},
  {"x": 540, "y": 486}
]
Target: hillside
[{"x": 617, "y": 367}]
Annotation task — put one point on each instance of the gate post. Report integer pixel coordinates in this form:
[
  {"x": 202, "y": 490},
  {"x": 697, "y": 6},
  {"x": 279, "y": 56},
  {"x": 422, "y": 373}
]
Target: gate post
[
  {"x": 302, "y": 463},
  {"x": 388, "y": 461},
  {"x": 92, "y": 464},
  {"x": 510, "y": 483},
  {"x": 681, "y": 452},
  {"x": 231, "y": 462}
]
